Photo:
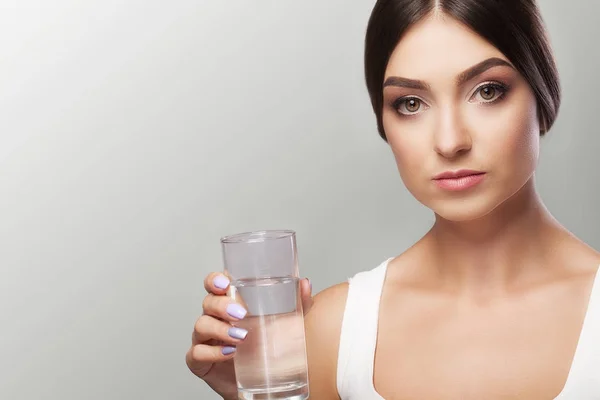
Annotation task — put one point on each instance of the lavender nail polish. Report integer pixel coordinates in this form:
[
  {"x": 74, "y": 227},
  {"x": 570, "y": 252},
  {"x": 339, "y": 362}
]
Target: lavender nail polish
[
  {"x": 227, "y": 350},
  {"x": 237, "y": 333},
  {"x": 221, "y": 282},
  {"x": 236, "y": 311}
]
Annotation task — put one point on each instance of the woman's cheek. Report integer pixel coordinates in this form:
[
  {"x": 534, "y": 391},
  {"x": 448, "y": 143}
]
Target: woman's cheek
[
  {"x": 514, "y": 139},
  {"x": 411, "y": 158}
]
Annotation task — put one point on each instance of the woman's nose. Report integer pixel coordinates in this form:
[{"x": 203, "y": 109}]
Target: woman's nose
[{"x": 451, "y": 137}]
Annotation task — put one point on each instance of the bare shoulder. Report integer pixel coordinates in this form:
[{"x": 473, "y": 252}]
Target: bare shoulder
[
  {"x": 327, "y": 304},
  {"x": 323, "y": 324},
  {"x": 579, "y": 257}
]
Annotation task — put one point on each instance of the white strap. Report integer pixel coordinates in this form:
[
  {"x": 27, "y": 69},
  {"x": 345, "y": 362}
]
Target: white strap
[
  {"x": 358, "y": 337},
  {"x": 583, "y": 382}
]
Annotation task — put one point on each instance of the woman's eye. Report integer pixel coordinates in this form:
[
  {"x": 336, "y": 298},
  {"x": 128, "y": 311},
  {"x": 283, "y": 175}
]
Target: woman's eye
[
  {"x": 488, "y": 93},
  {"x": 409, "y": 105}
]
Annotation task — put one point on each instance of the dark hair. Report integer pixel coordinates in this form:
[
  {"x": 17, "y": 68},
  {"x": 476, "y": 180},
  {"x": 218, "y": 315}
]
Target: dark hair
[{"x": 514, "y": 27}]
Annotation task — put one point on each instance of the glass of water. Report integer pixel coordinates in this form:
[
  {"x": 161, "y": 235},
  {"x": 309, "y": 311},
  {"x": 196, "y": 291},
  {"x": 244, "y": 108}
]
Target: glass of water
[{"x": 271, "y": 362}]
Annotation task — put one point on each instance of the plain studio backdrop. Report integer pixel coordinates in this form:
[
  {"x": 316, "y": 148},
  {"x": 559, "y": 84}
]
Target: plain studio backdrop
[{"x": 134, "y": 134}]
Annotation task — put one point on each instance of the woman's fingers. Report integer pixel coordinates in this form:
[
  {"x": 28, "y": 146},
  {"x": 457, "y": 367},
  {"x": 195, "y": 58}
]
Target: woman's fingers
[
  {"x": 306, "y": 294},
  {"x": 209, "y": 328},
  {"x": 223, "y": 307},
  {"x": 201, "y": 357},
  {"x": 216, "y": 283}
]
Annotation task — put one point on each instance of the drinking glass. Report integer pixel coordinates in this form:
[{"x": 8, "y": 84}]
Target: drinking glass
[{"x": 271, "y": 361}]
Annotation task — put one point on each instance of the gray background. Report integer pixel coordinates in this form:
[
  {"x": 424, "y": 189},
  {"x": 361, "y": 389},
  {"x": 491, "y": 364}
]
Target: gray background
[{"x": 133, "y": 134}]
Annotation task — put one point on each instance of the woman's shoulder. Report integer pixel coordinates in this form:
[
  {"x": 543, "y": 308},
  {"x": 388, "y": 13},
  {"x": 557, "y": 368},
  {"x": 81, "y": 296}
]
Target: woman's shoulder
[
  {"x": 326, "y": 313},
  {"x": 323, "y": 323},
  {"x": 332, "y": 301}
]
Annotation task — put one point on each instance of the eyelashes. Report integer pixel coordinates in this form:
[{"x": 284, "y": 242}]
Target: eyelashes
[
  {"x": 402, "y": 105},
  {"x": 409, "y": 105},
  {"x": 485, "y": 94},
  {"x": 490, "y": 92}
]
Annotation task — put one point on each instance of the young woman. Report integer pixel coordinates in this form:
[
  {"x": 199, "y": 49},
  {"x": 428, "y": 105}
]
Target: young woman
[{"x": 497, "y": 300}]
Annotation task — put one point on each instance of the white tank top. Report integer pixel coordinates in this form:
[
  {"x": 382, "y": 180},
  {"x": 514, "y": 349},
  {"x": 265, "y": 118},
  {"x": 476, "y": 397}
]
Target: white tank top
[{"x": 358, "y": 340}]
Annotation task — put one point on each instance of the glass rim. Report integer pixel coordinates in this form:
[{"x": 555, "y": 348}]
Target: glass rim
[{"x": 258, "y": 236}]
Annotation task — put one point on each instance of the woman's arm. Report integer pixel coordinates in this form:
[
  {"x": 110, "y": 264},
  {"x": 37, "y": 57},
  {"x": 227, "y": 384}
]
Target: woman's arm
[{"x": 323, "y": 326}]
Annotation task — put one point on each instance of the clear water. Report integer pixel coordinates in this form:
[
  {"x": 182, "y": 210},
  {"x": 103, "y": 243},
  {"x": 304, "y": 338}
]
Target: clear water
[{"x": 271, "y": 362}]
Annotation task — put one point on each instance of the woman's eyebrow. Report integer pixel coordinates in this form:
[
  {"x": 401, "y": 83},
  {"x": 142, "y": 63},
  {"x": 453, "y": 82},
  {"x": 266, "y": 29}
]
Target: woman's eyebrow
[
  {"x": 463, "y": 77},
  {"x": 480, "y": 68},
  {"x": 405, "y": 82}
]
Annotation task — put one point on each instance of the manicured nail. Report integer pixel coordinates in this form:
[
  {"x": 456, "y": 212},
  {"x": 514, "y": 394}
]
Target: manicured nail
[
  {"x": 309, "y": 284},
  {"x": 227, "y": 350},
  {"x": 221, "y": 282},
  {"x": 236, "y": 311},
  {"x": 237, "y": 333}
]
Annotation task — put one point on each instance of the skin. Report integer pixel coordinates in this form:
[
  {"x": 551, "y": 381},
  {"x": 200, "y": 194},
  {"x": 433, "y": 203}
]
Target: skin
[{"x": 497, "y": 289}]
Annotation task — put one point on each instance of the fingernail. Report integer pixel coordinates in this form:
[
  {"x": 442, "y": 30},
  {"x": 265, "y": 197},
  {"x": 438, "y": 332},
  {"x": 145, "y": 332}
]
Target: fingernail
[
  {"x": 221, "y": 282},
  {"x": 227, "y": 350},
  {"x": 309, "y": 284},
  {"x": 236, "y": 311},
  {"x": 237, "y": 333}
]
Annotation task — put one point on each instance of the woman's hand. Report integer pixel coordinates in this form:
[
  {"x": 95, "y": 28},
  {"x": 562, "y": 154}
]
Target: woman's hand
[{"x": 214, "y": 339}]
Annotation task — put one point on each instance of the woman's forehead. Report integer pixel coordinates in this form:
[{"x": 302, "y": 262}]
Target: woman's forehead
[{"x": 436, "y": 45}]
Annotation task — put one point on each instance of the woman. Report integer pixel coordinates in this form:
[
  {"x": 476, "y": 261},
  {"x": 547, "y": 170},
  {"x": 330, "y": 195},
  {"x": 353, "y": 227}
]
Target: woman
[{"x": 491, "y": 302}]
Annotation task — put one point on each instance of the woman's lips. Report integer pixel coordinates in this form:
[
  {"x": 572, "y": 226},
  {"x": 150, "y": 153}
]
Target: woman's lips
[{"x": 458, "y": 180}]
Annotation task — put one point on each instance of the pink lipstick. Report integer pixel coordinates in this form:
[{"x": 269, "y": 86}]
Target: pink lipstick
[{"x": 459, "y": 180}]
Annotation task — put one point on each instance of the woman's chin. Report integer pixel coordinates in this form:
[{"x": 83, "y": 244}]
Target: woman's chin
[{"x": 463, "y": 210}]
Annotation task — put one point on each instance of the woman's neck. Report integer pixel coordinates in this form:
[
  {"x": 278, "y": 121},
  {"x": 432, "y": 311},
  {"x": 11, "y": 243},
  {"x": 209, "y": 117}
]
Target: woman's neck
[{"x": 487, "y": 256}]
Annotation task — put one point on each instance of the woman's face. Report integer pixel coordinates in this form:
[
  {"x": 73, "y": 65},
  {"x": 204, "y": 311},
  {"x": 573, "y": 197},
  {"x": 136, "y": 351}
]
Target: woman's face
[{"x": 452, "y": 103}]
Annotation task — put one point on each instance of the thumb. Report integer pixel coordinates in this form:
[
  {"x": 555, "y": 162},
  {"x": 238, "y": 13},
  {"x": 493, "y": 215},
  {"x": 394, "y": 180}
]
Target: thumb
[{"x": 306, "y": 294}]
